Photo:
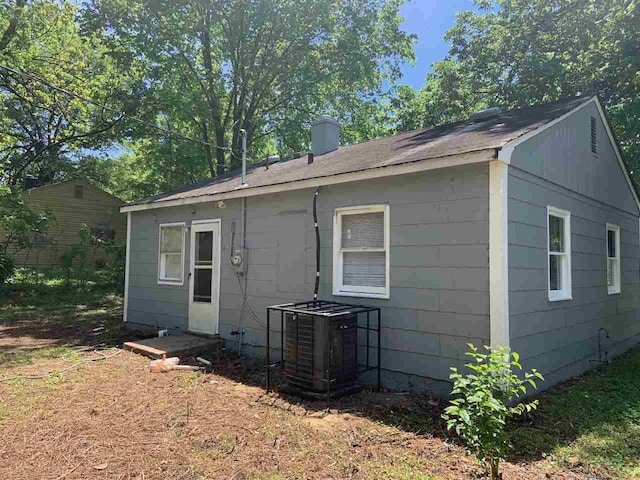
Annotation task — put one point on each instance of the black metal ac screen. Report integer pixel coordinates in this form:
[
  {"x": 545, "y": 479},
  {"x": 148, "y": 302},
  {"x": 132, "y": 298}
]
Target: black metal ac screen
[{"x": 341, "y": 326}]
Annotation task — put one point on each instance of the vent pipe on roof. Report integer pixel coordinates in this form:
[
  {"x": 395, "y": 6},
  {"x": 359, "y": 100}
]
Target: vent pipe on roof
[
  {"x": 243, "y": 132},
  {"x": 325, "y": 135}
]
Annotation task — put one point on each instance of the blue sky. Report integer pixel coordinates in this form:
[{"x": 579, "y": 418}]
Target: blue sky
[{"x": 429, "y": 19}]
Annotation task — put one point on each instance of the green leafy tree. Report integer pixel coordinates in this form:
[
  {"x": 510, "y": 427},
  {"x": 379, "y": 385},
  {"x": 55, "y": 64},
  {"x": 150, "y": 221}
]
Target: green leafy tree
[
  {"x": 408, "y": 109},
  {"x": 116, "y": 252},
  {"x": 75, "y": 259},
  {"x": 41, "y": 128},
  {"x": 7, "y": 268},
  {"x": 444, "y": 98},
  {"x": 20, "y": 226},
  {"x": 214, "y": 67},
  {"x": 484, "y": 400}
]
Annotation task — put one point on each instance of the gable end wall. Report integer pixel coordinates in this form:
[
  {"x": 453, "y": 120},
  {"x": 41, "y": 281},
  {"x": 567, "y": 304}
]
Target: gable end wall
[{"x": 557, "y": 168}]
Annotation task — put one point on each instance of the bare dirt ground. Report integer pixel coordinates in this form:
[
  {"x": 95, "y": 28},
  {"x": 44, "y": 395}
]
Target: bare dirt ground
[{"x": 113, "y": 419}]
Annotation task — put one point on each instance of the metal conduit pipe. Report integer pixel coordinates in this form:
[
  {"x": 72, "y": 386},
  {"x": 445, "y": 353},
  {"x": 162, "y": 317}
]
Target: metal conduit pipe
[{"x": 315, "y": 223}]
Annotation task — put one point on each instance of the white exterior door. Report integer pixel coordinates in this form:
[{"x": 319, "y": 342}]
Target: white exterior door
[{"x": 204, "y": 277}]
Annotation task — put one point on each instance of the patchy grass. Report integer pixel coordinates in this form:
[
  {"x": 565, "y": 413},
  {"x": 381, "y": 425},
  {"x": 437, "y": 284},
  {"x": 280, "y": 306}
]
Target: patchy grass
[
  {"x": 403, "y": 467},
  {"x": 37, "y": 355},
  {"x": 193, "y": 426},
  {"x": 591, "y": 423},
  {"x": 48, "y": 277},
  {"x": 45, "y": 321}
]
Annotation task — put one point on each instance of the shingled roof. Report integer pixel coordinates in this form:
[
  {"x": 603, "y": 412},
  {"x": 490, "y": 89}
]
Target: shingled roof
[{"x": 431, "y": 143}]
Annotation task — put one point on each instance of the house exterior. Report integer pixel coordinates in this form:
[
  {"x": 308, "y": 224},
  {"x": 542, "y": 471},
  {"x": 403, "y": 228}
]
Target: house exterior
[
  {"x": 518, "y": 229},
  {"x": 73, "y": 203}
]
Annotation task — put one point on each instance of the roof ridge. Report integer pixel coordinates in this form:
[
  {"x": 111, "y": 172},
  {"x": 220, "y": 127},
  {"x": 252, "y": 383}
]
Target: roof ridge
[
  {"x": 74, "y": 178},
  {"x": 467, "y": 120}
]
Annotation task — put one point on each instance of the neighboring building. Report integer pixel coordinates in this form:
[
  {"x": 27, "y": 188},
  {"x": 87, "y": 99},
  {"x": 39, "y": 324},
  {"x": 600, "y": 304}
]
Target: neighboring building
[
  {"x": 516, "y": 228},
  {"x": 73, "y": 202}
]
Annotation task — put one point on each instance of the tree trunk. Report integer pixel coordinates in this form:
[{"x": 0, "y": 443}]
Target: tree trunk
[
  {"x": 220, "y": 153},
  {"x": 11, "y": 29},
  {"x": 207, "y": 148},
  {"x": 214, "y": 104},
  {"x": 493, "y": 465}
]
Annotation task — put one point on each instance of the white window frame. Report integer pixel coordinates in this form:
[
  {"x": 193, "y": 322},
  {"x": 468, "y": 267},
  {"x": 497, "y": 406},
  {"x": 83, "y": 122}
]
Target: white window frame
[
  {"x": 565, "y": 293},
  {"x": 617, "y": 287},
  {"x": 168, "y": 281},
  {"x": 338, "y": 254}
]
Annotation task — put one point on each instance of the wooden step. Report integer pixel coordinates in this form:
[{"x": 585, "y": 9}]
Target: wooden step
[{"x": 175, "y": 346}]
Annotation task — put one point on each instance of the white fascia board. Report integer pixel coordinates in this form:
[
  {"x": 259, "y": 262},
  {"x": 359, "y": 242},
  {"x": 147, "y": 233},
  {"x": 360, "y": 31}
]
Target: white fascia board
[{"x": 478, "y": 156}]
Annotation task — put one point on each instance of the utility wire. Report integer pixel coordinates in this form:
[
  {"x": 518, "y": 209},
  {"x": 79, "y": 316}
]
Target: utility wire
[{"x": 36, "y": 78}]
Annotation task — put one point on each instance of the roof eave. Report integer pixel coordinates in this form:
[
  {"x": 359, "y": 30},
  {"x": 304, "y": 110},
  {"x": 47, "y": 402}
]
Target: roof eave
[{"x": 465, "y": 158}]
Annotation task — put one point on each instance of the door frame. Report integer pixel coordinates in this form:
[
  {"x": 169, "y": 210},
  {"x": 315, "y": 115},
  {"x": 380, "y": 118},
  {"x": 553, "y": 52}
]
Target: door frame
[{"x": 217, "y": 261}]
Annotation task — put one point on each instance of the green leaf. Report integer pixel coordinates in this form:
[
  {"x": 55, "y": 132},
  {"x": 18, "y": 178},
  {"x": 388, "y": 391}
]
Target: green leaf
[
  {"x": 465, "y": 416},
  {"x": 484, "y": 403}
]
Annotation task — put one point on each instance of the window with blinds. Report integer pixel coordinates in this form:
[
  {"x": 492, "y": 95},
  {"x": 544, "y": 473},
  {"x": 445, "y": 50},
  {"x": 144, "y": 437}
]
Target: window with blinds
[
  {"x": 171, "y": 254},
  {"x": 361, "y": 251}
]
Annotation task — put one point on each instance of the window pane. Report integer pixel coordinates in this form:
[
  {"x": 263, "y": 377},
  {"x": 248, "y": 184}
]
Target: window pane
[
  {"x": 171, "y": 241},
  {"x": 172, "y": 266},
  {"x": 103, "y": 232},
  {"x": 555, "y": 272},
  {"x": 204, "y": 248},
  {"x": 611, "y": 243},
  {"x": 556, "y": 234},
  {"x": 364, "y": 269},
  {"x": 365, "y": 230},
  {"x": 202, "y": 285},
  {"x": 611, "y": 278}
]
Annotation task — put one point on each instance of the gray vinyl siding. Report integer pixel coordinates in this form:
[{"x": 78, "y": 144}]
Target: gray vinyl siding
[
  {"x": 562, "y": 155},
  {"x": 557, "y": 168},
  {"x": 439, "y": 264}
]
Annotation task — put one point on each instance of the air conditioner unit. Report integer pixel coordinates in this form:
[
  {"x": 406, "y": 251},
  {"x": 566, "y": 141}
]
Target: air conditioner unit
[
  {"x": 319, "y": 350},
  {"x": 324, "y": 346}
]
